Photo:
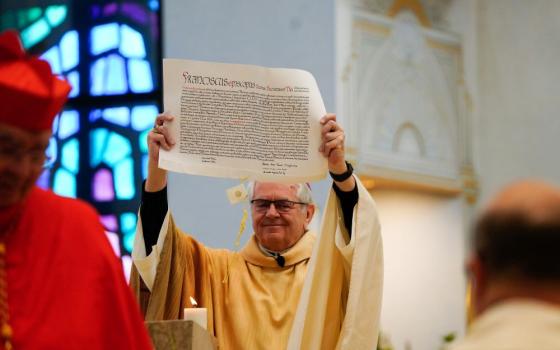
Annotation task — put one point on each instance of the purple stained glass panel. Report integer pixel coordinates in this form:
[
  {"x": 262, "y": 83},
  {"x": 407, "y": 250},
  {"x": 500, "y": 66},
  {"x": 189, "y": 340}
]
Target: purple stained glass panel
[
  {"x": 136, "y": 12},
  {"x": 110, "y": 9},
  {"x": 103, "y": 186},
  {"x": 127, "y": 265},
  {"x": 110, "y": 222},
  {"x": 43, "y": 180},
  {"x": 115, "y": 243}
]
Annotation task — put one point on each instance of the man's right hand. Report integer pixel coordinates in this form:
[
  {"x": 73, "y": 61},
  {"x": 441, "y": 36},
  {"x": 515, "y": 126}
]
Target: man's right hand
[{"x": 158, "y": 137}]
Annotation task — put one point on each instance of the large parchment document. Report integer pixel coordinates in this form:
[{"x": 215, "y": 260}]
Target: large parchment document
[{"x": 242, "y": 121}]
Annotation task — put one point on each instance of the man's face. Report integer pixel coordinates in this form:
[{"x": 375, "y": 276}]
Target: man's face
[
  {"x": 276, "y": 229},
  {"x": 22, "y": 155}
]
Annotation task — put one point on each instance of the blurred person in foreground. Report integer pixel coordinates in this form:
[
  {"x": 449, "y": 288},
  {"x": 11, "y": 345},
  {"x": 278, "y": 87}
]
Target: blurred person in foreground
[
  {"x": 515, "y": 271},
  {"x": 61, "y": 285}
]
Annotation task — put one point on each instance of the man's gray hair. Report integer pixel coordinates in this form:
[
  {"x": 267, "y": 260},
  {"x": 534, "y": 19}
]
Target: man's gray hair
[{"x": 303, "y": 192}]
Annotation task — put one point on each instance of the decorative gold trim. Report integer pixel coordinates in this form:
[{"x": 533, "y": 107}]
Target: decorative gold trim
[
  {"x": 466, "y": 185},
  {"x": 414, "y": 6},
  {"x": 469, "y": 303},
  {"x": 371, "y": 27},
  {"x": 378, "y": 182},
  {"x": 447, "y": 47},
  {"x": 470, "y": 184}
]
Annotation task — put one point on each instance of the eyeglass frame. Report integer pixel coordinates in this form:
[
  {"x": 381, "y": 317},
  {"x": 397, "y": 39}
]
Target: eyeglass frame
[
  {"x": 278, "y": 209},
  {"x": 38, "y": 157}
]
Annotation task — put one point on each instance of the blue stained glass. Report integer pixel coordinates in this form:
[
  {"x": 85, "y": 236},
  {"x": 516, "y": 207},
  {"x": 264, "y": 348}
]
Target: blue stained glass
[
  {"x": 128, "y": 222},
  {"x": 128, "y": 241},
  {"x": 56, "y": 14},
  {"x": 69, "y": 123},
  {"x": 51, "y": 152},
  {"x": 74, "y": 80},
  {"x": 98, "y": 140},
  {"x": 70, "y": 158},
  {"x": 27, "y": 16},
  {"x": 108, "y": 76},
  {"x": 153, "y": 4},
  {"x": 124, "y": 179},
  {"x": 140, "y": 76},
  {"x": 143, "y": 117},
  {"x": 35, "y": 33},
  {"x": 117, "y": 148},
  {"x": 69, "y": 50},
  {"x": 117, "y": 115},
  {"x": 104, "y": 37},
  {"x": 95, "y": 11},
  {"x": 118, "y": 62},
  {"x": 132, "y": 43},
  {"x": 55, "y": 124},
  {"x": 116, "y": 77},
  {"x": 143, "y": 141},
  {"x": 145, "y": 159},
  {"x": 95, "y": 114},
  {"x": 97, "y": 75},
  {"x": 64, "y": 183},
  {"x": 52, "y": 56}
]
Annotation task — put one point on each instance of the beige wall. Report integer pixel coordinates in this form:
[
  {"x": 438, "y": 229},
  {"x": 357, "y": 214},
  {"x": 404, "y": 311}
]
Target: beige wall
[
  {"x": 424, "y": 234},
  {"x": 511, "y": 50},
  {"x": 517, "y": 129},
  {"x": 423, "y": 295}
]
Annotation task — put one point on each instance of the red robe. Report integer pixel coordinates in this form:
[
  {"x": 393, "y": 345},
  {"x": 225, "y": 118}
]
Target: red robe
[{"x": 66, "y": 287}]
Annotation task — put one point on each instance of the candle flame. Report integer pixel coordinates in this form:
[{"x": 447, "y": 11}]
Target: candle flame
[{"x": 193, "y": 302}]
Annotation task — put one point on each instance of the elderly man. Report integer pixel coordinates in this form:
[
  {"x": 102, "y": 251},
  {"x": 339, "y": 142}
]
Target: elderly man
[
  {"x": 271, "y": 294},
  {"x": 515, "y": 271},
  {"x": 61, "y": 285}
]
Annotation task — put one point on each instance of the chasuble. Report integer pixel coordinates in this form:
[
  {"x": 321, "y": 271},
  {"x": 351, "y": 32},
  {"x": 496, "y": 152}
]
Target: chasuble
[{"x": 514, "y": 324}]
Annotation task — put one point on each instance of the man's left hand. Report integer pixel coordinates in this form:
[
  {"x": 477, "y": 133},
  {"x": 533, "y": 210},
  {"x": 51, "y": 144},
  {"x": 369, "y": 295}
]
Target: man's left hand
[
  {"x": 332, "y": 143},
  {"x": 332, "y": 147}
]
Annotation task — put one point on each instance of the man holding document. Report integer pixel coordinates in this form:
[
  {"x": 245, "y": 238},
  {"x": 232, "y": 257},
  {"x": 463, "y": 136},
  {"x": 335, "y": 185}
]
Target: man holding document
[{"x": 287, "y": 288}]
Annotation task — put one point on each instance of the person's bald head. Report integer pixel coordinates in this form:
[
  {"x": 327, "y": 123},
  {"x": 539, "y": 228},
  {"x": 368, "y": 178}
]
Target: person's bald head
[
  {"x": 538, "y": 202},
  {"x": 515, "y": 246},
  {"x": 518, "y": 234}
]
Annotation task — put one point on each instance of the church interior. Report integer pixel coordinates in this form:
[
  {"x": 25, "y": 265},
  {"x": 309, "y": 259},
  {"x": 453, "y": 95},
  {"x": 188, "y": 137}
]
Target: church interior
[{"x": 443, "y": 103}]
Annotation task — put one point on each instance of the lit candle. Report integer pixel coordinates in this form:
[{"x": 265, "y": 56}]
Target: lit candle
[{"x": 196, "y": 314}]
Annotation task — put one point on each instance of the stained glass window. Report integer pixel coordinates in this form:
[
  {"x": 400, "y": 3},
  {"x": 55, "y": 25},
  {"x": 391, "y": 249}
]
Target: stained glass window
[{"x": 110, "y": 53}]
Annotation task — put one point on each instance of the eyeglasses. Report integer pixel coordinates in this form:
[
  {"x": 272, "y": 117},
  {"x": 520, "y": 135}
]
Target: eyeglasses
[
  {"x": 37, "y": 157},
  {"x": 282, "y": 205}
]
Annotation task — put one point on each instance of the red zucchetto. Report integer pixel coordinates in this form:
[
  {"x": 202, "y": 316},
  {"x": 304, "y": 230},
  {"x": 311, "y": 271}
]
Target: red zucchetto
[{"x": 30, "y": 94}]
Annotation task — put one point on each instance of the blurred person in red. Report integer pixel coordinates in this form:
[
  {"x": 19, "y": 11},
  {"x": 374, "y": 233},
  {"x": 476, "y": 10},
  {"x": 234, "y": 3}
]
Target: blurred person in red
[
  {"x": 61, "y": 285},
  {"x": 515, "y": 271}
]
